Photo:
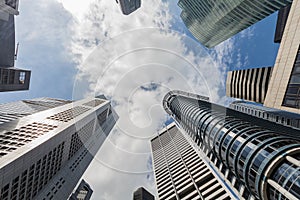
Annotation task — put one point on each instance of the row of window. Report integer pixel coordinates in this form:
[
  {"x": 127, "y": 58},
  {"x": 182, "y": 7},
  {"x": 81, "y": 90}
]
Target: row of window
[
  {"x": 271, "y": 116},
  {"x": 241, "y": 146},
  {"x": 32, "y": 180}
]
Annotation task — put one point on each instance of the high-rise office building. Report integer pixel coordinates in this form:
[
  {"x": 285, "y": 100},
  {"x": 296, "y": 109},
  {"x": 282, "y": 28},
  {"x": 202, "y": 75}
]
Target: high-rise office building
[
  {"x": 271, "y": 114},
  {"x": 249, "y": 84},
  {"x": 7, "y": 42},
  {"x": 180, "y": 172},
  {"x": 43, "y": 155},
  {"x": 129, "y": 6},
  {"x": 284, "y": 86},
  {"x": 142, "y": 194},
  {"x": 11, "y": 78},
  {"x": 212, "y": 22},
  {"x": 258, "y": 158},
  {"x": 8, "y": 7},
  {"x": 83, "y": 192},
  {"x": 15, "y": 110}
]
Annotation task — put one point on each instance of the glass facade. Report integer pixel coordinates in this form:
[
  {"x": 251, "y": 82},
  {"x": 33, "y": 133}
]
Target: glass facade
[
  {"x": 249, "y": 152},
  {"x": 212, "y": 22},
  {"x": 292, "y": 95},
  {"x": 129, "y": 6}
]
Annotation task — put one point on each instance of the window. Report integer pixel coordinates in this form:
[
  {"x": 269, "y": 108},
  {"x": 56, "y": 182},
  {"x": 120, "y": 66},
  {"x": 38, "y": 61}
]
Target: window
[{"x": 22, "y": 77}]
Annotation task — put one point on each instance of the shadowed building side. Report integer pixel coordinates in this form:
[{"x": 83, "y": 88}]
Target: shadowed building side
[
  {"x": 11, "y": 78},
  {"x": 281, "y": 22},
  {"x": 7, "y": 42}
]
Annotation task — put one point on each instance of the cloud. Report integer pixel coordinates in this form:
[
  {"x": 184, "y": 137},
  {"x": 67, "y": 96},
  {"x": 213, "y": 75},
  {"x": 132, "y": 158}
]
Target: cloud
[{"x": 135, "y": 60}]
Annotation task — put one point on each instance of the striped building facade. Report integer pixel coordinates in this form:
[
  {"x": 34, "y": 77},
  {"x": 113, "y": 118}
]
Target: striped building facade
[
  {"x": 249, "y": 84},
  {"x": 257, "y": 159},
  {"x": 180, "y": 172},
  {"x": 212, "y": 22}
]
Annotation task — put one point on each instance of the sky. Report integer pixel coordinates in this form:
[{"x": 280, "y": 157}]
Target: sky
[{"x": 82, "y": 49}]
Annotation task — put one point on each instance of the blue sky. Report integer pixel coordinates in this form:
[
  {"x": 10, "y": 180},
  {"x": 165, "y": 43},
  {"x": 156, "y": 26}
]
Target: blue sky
[
  {"x": 46, "y": 80},
  {"x": 134, "y": 60}
]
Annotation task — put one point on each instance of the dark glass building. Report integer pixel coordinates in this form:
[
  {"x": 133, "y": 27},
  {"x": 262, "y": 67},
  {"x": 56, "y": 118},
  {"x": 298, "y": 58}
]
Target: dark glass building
[
  {"x": 11, "y": 78},
  {"x": 259, "y": 160},
  {"x": 142, "y": 194},
  {"x": 212, "y": 22},
  {"x": 129, "y": 6}
]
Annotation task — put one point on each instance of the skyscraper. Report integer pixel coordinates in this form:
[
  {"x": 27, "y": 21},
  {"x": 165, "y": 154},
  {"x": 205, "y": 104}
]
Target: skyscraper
[
  {"x": 284, "y": 86},
  {"x": 15, "y": 110},
  {"x": 249, "y": 84},
  {"x": 180, "y": 172},
  {"x": 258, "y": 160},
  {"x": 8, "y": 7},
  {"x": 142, "y": 194},
  {"x": 212, "y": 22},
  {"x": 43, "y": 155},
  {"x": 11, "y": 78},
  {"x": 83, "y": 192},
  {"x": 129, "y": 6},
  {"x": 271, "y": 114}
]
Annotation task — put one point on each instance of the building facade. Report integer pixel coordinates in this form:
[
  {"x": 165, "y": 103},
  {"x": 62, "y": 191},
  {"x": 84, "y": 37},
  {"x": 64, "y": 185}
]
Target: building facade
[
  {"x": 271, "y": 114},
  {"x": 11, "y": 78},
  {"x": 212, "y": 22},
  {"x": 43, "y": 155},
  {"x": 142, "y": 194},
  {"x": 249, "y": 84},
  {"x": 129, "y": 6},
  {"x": 180, "y": 172},
  {"x": 16, "y": 110},
  {"x": 258, "y": 161},
  {"x": 8, "y": 7},
  {"x": 284, "y": 86},
  {"x": 83, "y": 192}
]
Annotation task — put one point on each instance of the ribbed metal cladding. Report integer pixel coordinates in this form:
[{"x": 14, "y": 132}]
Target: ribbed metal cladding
[
  {"x": 212, "y": 22},
  {"x": 253, "y": 154},
  {"x": 180, "y": 173},
  {"x": 249, "y": 84}
]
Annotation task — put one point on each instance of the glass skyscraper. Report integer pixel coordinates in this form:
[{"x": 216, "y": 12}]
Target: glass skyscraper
[
  {"x": 257, "y": 159},
  {"x": 129, "y": 6},
  {"x": 43, "y": 154},
  {"x": 212, "y": 22}
]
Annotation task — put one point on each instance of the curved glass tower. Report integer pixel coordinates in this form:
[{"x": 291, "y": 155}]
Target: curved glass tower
[
  {"x": 212, "y": 22},
  {"x": 259, "y": 162}
]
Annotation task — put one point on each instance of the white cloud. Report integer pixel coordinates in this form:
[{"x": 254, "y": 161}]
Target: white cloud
[{"x": 121, "y": 56}]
